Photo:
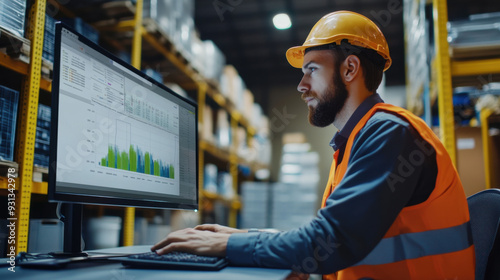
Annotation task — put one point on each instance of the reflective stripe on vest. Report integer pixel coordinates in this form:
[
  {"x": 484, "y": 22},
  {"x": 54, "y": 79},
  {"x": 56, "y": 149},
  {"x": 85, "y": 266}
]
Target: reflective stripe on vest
[{"x": 420, "y": 244}]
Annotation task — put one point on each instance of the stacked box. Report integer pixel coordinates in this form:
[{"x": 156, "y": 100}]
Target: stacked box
[
  {"x": 184, "y": 26},
  {"x": 223, "y": 130},
  {"x": 214, "y": 61},
  {"x": 255, "y": 205},
  {"x": 476, "y": 37},
  {"x": 231, "y": 84},
  {"x": 247, "y": 104},
  {"x": 210, "y": 178},
  {"x": 292, "y": 205},
  {"x": 263, "y": 148},
  {"x": 12, "y": 16},
  {"x": 207, "y": 132},
  {"x": 8, "y": 113},
  {"x": 298, "y": 164},
  {"x": 198, "y": 54},
  {"x": 162, "y": 12},
  {"x": 240, "y": 142},
  {"x": 42, "y": 138},
  {"x": 49, "y": 38},
  {"x": 299, "y": 177},
  {"x": 83, "y": 28},
  {"x": 225, "y": 184},
  {"x": 256, "y": 117}
]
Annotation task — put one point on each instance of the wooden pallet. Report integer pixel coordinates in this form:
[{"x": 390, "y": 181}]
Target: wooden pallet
[
  {"x": 47, "y": 69},
  {"x": 40, "y": 174},
  {"x": 19, "y": 48},
  {"x": 15, "y": 46},
  {"x": 4, "y": 168},
  {"x": 214, "y": 84},
  {"x": 164, "y": 39},
  {"x": 118, "y": 9},
  {"x": 113, "y": 11}
]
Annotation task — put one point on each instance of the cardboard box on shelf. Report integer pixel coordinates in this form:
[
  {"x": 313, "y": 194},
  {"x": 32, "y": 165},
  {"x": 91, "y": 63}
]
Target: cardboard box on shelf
[
  {"x": 247, "y": 104},
  {"x": 232, "y": 86},
  {"x": 214, "y": 61},
  {"x": 256, "y": 117},
  {"x": 208, "y": 124},
  {"x": 470, "y": 160},
  {"x": 223, "y": 130},
  {"x": 12, "y": 16},
  {"x": 241, "y": 142},
  {"x": 162, "y": 12}
]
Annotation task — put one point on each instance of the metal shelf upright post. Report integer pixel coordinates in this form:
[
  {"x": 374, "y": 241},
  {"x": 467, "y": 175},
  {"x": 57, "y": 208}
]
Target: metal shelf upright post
[
  {"x": 484, "y": 115},
  {"x": 26, "y": 130},
  {"x": 128, "y": 225},
  {"x": 202, "y": 93},
  {"x": 444, "y": 86}
]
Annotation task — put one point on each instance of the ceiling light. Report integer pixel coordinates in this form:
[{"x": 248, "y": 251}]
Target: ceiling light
[{"x": 282, "y": 21}]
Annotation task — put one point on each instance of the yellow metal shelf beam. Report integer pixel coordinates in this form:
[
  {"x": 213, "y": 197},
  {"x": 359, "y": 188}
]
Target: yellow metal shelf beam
[
  {"x": 40, "y": 187},
  {"x": 445, "y": 106},
  {"x": 26, "y": 129},
  {"x": 22, "y": 68},
  {"x": 233, "y": 203},
  {"x": 475, "y": 67}
]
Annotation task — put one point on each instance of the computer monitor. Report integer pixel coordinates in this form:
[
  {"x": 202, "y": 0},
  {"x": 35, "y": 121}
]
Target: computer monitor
[{"x": 118, "y": 137}]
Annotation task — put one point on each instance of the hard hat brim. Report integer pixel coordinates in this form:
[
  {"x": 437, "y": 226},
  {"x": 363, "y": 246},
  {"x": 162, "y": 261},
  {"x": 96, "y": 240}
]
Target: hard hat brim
[{"x": 295, "y": 56}]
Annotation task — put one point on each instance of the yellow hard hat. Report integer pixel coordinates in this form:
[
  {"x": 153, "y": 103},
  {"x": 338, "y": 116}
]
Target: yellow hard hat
[{"x": 357, "y": 29}]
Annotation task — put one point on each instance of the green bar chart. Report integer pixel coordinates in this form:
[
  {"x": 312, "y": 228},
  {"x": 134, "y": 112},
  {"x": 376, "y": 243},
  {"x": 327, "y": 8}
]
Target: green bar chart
[
  {"x": 137, "y": 161},
  {"x": 131, "y": 147}
]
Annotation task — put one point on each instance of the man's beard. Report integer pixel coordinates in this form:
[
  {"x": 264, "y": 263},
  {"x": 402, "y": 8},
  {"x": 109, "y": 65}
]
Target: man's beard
[{"x": 326, "y": 110}]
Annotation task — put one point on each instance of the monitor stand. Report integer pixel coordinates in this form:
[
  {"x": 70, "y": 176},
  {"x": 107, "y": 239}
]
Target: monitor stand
[{"x": 72, "y": 219}]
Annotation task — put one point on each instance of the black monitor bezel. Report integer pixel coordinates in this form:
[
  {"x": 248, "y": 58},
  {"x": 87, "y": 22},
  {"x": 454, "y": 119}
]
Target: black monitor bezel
[{"x": 57, "y": 196}]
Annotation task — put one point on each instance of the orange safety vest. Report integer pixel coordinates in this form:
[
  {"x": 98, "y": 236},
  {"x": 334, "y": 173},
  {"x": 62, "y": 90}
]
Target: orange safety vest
[{"x": 430, "y": 240}]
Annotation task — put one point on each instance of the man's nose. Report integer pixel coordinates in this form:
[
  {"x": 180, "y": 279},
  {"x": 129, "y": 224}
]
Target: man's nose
[{"x": 303, "y": 85}]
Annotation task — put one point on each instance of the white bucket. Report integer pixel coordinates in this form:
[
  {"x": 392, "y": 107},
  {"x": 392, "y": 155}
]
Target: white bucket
[{"x": 104, "y": 232}]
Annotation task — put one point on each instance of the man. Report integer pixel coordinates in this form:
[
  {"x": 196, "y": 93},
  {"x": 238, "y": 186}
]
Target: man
[{"x": 394, "y": 206}]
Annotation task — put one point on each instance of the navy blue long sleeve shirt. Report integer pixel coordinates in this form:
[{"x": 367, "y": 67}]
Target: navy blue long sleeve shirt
[{"x": 359, "y": 211}]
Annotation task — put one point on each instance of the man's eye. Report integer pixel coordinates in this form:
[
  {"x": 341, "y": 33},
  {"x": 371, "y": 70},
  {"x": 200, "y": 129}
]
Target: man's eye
[{"x": 312, "y": 69}]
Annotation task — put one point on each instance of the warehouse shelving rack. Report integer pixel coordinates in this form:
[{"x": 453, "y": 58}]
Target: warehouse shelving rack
[
  {"x": 187, "y": 77},
  {"x": 446, "y": 69}
]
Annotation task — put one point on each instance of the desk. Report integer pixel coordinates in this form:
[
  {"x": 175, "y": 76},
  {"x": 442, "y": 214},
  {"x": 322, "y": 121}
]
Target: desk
[{"x": 115, "y": 271}]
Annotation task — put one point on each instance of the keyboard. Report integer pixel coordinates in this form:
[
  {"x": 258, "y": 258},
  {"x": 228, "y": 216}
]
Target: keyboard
[{"x": 174, "y": 260}]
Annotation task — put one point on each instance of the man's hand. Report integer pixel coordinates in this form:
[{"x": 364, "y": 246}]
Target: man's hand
[
  {"x": 219, "y": 228},
  {"x": 200, "y": 242}
]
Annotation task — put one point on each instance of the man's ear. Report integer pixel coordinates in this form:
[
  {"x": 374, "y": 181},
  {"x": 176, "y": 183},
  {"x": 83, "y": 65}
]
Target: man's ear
[{"x": 352, "y": 68}]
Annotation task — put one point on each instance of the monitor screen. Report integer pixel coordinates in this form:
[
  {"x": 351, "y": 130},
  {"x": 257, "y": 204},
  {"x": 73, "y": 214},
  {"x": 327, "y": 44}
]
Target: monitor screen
[{"x": 118, "y": 137}]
